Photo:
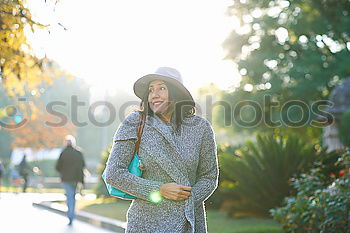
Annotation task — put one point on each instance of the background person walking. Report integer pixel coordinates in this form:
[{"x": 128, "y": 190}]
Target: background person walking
[
  {"x": 71, "y": 165},
  {"x": 24, "y": 171}
]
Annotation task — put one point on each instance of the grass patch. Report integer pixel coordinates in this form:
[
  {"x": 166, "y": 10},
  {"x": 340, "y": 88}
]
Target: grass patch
[
  {"x": 107, "y": 208},
  {"x": 218, "y": 222}
]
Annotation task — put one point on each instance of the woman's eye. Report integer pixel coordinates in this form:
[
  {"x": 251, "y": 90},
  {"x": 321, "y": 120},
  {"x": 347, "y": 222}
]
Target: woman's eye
[{"x": 162, "y": 88}]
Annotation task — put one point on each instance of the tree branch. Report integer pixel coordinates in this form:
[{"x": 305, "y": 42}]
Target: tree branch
[{"x": 24, "y": 16}]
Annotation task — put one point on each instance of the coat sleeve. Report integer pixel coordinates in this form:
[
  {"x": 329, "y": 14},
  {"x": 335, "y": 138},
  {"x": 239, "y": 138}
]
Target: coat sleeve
[
  {"x": 121, "y": 154},
  {"x": 208, "y": 171},
  {"x": 82, "y": 167},
  {"x": 59, "y": 164}
]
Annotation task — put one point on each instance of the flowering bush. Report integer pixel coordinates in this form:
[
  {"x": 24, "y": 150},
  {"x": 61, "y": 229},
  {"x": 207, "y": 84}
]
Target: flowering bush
[{"x": 322, "y": 202}]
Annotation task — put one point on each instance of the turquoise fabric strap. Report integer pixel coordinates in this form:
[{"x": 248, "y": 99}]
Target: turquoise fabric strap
[{"x": 135, "y": 167}]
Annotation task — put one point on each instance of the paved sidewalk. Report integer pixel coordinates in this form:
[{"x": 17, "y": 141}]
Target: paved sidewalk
[
  {"x": 97, "y": 220},
  {"x": 18, "y": 215}
]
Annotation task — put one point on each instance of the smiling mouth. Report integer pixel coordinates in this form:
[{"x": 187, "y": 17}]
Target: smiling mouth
[{"x": 158, "y": 103}]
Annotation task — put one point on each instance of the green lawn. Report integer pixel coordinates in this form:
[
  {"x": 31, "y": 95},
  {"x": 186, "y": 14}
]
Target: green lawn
[
  {"x": 218, "y": 222},
  {"x": 116, "y": 210}
]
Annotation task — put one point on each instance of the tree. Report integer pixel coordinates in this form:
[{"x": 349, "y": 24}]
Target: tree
[
  {"x": 19, "y": 67},
  {"x": 43, "y": 136},
  {"x": 290, "y": 50},
  {"x": 5, "y": 137},
  {"x": 21, "y": 71}
]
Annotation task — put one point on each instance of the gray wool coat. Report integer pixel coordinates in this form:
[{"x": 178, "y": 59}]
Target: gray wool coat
[{"x": 186, "y": 156}]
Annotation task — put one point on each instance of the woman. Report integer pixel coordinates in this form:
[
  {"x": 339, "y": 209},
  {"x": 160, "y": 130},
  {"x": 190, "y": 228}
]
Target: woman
[{"x": 178, "y": 152}]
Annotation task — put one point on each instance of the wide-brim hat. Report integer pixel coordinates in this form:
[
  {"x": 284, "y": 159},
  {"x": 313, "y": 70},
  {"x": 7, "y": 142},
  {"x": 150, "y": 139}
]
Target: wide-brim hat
[{"x": 167, "y": 74}]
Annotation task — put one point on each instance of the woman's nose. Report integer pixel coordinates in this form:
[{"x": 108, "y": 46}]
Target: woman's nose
[{"x": 154, "y": 94}]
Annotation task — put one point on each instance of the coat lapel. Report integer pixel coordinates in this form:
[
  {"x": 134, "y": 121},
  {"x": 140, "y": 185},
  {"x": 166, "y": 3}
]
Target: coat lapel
[{"x": 172, "y": 165}]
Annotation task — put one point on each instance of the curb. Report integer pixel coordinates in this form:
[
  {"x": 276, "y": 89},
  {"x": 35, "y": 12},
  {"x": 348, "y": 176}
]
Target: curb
[{"x": 96, "y": 220}]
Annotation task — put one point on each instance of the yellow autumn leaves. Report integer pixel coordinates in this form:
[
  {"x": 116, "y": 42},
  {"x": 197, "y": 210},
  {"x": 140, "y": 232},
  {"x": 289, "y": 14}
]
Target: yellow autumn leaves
[{"x": 19, "y": 68}]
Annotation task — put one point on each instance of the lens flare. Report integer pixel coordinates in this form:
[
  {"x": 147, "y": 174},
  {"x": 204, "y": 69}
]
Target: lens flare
[
  {"x": 17, "y": 119},
  {"x": 11, "y": 111},
  {"x": 155, "y": 197}
]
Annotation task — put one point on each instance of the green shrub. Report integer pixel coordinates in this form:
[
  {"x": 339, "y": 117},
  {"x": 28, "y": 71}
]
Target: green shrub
[
  {"x": 257, "y": 178},
  {"x": 100, "y": 189},
  {"x": 46, "y": 167},
  {"x": 223, "y": 194},
  {"x": 322, "y": 202}
]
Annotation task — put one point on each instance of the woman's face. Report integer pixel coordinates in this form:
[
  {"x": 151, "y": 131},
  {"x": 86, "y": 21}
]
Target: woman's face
[{"x": 158, "y": 96}]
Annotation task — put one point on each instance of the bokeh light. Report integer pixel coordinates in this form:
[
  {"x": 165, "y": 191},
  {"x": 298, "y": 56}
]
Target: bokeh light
[
  {"x": 156, "y": 197},
  {"x": 18, "y": 119},
  {"x": 11, "y": 111}
]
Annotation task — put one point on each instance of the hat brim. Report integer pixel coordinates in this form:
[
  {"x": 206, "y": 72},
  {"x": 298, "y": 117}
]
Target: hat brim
[{"x": 141, "y": 86}]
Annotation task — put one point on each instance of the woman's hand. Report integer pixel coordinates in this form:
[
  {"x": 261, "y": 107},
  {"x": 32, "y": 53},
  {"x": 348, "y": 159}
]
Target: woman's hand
[{"x": 176, "y": 192}]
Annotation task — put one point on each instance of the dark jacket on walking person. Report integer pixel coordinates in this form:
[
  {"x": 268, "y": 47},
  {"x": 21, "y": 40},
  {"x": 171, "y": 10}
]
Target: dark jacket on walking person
[
  {"x": 24, "y": 171},
  {"x": 71, "y": 166}
]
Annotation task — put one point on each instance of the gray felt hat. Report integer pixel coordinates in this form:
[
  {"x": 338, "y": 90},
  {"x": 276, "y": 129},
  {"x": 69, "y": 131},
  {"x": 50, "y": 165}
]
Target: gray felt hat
[{"x": 167, "y": 74}]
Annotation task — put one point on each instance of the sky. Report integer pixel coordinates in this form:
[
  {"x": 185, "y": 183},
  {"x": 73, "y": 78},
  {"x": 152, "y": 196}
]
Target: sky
[{"x": 112, "y": 43}]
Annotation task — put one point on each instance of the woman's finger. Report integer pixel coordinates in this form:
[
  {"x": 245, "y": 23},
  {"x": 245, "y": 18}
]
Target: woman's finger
[
  {"x": 176, "y": 197},
  {"x": 187, "y": 194},
  {"x": 183, "y": 197},
  {"x": 186, "y": 188}
]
